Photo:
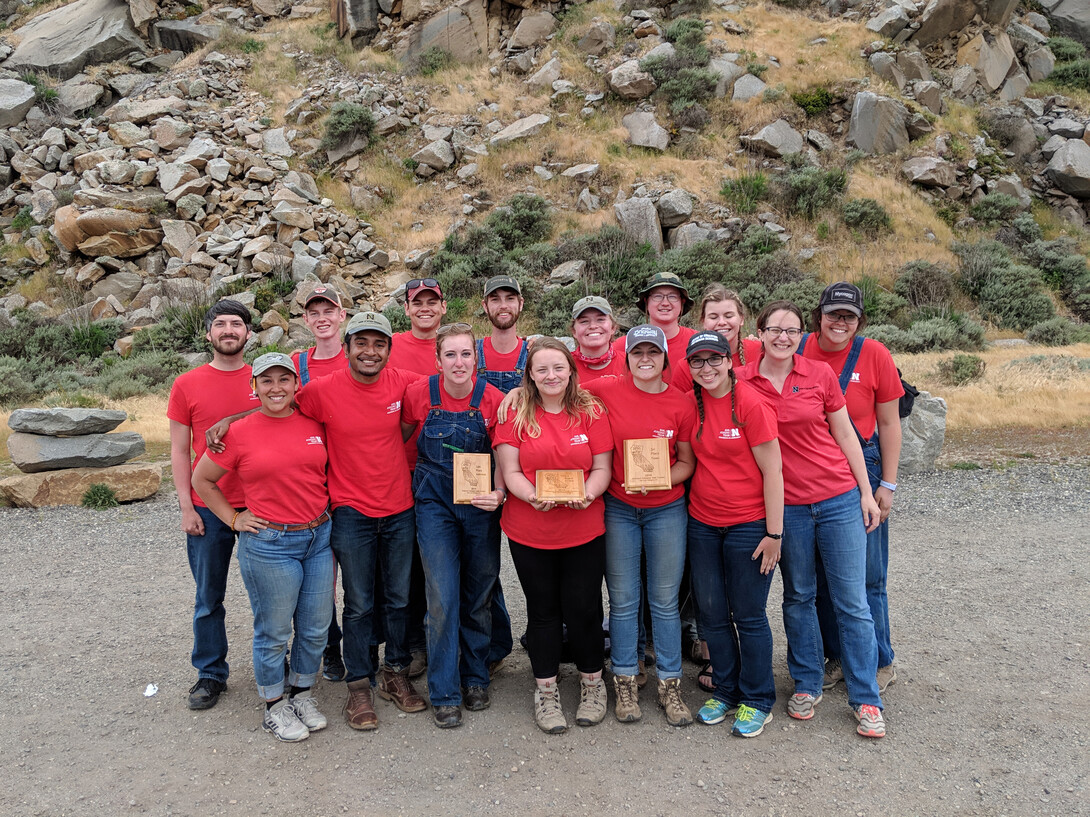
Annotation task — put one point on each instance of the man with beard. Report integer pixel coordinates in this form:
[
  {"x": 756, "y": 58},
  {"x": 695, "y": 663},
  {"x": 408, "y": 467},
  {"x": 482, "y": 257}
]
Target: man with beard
[{"x": 198, "y": 399}]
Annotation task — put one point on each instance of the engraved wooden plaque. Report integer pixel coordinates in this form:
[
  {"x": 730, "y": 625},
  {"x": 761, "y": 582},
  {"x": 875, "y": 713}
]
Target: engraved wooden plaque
[
  {"x": 647, "y": 465},
  {"x": 560, "y": 486},
  {"x": 472, "y": 476}
]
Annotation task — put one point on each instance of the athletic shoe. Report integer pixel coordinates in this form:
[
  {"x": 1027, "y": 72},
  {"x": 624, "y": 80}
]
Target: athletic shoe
[
  {"x": 281, "y": 720},
  {"x": 800, "y": 706},
  {"x": 750, "y": 722},
  {"x": 677, "y": 713},
  {"x": 548, "y": 714},
  {"x": 886, "y": 676},
  {"x": 871, "y": 722},
  {"x": 715, "y": 711},
  {"x": 834, "y": 673},
  {"x": 205, "y": 693},
  {"x": 333, "y": 666},
  {"x": 306, "y": 709},
  {"x": 626, "y": 693},
  {"x": 593, "y": 702}
]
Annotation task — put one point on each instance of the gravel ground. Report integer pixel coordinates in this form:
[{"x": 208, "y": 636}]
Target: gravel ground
[{"x": 990, "y": 589}]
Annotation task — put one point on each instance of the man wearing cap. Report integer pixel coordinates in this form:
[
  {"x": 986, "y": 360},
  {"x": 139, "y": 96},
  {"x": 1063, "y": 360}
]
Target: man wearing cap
[
  {"x": 665, "y": 299},
  {"x": 593, "y": 327},
  {"x": 198, "y": 399},
  {"x": 324, "y": 316}
]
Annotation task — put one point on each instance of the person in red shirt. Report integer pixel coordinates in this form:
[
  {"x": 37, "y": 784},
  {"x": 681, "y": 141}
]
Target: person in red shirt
[
  {"x": 324, "y": 317},
  {"x": 872, "y": 388},
  {"x": 558, "y": 550},
  {"x": 459, "y": 543},
  {"x": 198, "y": 399},
  {"x": 279, "y": 456},
  {"x": 593, "y": 328},
  {"x": 735, "y": 530},
  {"x": 666, "y": 300},
  {"x": 722, "y": 311},
  {"x": 825, "y": 488}
]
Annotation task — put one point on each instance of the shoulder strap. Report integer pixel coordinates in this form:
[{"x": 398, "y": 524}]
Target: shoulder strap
[
  {"x": 304, "y": 367},
  {"x": 849, "y": 363},
  {"x": 520, "y": 367},
  {"x": 433, "y": 391},
  {"x": 802, "y": 343},
  {"x": 481, "y": 367},
  {"x": 478, "y": 393}
]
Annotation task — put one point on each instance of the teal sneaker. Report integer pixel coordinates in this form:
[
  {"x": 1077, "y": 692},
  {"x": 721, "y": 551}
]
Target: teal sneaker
[
  {"x": 749, "y": 722},
  {"x": 715, "y": 711}
]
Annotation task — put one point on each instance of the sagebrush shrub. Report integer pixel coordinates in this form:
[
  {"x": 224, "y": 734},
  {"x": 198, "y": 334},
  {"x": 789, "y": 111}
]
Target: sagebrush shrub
[
  {"x": 347, "y": 122},
  {"x": 924, "y": 284},
  {"x": 1058, "y": 332},
  {"x": 961, "y": 369},
  {"x": 867, "y": 216}
]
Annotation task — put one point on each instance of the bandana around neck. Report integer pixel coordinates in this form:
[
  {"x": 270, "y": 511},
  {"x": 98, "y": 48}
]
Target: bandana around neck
[{"x": 601, "y": 360}]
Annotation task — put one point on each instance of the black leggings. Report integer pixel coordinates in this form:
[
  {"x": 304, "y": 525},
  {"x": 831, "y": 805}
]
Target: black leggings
[{"x": 563, "y": 586}]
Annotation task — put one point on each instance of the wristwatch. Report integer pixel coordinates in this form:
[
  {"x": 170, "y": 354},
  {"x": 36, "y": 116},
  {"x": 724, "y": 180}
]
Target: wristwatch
[{"x": 773, "y": 535}]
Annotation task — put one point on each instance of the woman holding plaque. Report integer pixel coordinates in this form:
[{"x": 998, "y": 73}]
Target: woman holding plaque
[
  {"x": 735, "y": 529},
  {"x": 457, "y": 522},
  {"x": 555, "y": 455}
]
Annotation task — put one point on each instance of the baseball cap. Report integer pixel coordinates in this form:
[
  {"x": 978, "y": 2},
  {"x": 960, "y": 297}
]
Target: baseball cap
[
  {"x": 361, "y": 321},
  {"x": 501, "y": 282},
  {"x": 708, "y": 342},
  {"x": 842, "y": 295},
  {"x": 418, "y": 285},
  {"x": 322, "y": 292},
  {"x": 666, "y": 279},
  {"x": 644, "y": 333},
  {"x": 591, "y": 302},
  {"x": 270, "y": 361}
]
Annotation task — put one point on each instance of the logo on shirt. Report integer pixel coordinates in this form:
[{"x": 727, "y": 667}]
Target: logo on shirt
[
  {"x": 580, "y": 439},
  {"x": 315, "y": 440},
  {"x": 730, "y": 434},
  {"x": 665, "y": 433},
  {"x": 394, "y": 407}
]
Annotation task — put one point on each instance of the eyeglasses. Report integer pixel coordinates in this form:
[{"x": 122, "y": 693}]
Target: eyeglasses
[
  {"x": 669, "y": 297},
  {"x": 416, "y": 283},
  {"x": 776, "y": 331},
  {"x": 715, "y": 361},
  {"x": 453, "y": 327},
  {"x": 846, "y": 317}
]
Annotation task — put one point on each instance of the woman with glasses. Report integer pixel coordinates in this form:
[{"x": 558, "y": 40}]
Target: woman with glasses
[
  {"x": 735, "y": 529},
  {"x": 828, "y": 510},
  {"x": 872, "y": 388},
  {"x": 459, "y": 543}
]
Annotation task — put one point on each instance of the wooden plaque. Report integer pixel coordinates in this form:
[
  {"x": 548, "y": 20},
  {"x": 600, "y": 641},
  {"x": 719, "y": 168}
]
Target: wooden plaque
[
  {"x": 472, "y": 477},
  {"x": 560, "y": 486},
  {"x": 647, "y": 464}
]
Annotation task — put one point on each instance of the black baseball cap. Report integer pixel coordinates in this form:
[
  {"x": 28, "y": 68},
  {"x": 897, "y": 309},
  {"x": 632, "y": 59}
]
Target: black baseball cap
[
  {"x": 842, "y": 295},
  {"x": 708, "y": 341}
]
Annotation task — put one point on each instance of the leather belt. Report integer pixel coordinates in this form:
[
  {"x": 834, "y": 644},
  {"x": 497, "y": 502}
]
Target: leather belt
[{"x": 305, "y": 526}]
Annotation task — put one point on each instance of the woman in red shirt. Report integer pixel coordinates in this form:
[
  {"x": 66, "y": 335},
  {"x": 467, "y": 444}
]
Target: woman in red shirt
[
  {"x": 283, "y": 545},
  {"x": 558, "y": 549},
  {"x": 722, "y": 311},
  {"x": 593, "y": 328},
  {"x": 827, "y": 512}
]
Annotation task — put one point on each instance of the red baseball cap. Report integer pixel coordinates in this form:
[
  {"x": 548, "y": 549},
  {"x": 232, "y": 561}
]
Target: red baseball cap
[{"x": 418, "y": 285}]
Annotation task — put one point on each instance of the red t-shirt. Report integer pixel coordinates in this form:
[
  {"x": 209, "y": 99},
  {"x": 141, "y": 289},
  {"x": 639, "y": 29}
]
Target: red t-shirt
[
  {"x": 874, "y": 380},
  {"x": 201, "y": 398},
  {"x": 367, "y": 467},
  {"x": 753, "y": 352},
  {"x": 418, "y": 401},
  {"x": 560, "y": 446},
  {"x": 678, "y": 370},
  {"x": 635, "y": 415},
  {"x": 281, "y": 463},
  {"x": 728, "y": 487},
  {"x": 320, "y": 368},
  {"x": 412, "y": 354},
  {"x": 615, "y": 367},
  {"x": 814, "y": 467},
  {"x": 495, "y": 362}
]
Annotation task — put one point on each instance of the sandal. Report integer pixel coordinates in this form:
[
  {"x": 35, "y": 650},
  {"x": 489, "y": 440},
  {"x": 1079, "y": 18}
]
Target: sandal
[{"x": 704, "y": 678}]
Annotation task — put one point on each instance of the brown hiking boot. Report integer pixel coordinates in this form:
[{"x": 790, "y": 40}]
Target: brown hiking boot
[
  {"x": 396, "y": 687},
  {"x": 677, "y": 713},
  {"x": 627, "y": 694},
  {"x": 359, "y": 709}
]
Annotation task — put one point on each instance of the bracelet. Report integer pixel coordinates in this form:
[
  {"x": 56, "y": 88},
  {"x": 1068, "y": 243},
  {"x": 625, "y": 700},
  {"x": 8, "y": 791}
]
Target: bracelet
[
  {"x": 889, "y": 486},
  {"x": 776, "y": 536},
  {"x": 504, "y": 492},
  {"x": 233, "y": 518}
]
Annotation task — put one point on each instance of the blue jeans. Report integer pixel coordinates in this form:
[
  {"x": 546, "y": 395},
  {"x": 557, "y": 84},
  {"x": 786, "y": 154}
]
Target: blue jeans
[
  {"x": 660, "y": 532},
  {"x": 364, "y": 546},
  {"x": 832, "y": 529},
  {"x": 732, "y": 596},
  {"x": 877, "y": 571},
  {"x": 289, "y": 578},
  {"x": 210, "y": 561}
]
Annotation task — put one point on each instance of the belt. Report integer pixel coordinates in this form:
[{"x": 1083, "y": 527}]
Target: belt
[{"x": 305, "y": 526}]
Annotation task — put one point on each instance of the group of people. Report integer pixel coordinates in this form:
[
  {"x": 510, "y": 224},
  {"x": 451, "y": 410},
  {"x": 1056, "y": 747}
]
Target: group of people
[{"x": 782, "y": 450}]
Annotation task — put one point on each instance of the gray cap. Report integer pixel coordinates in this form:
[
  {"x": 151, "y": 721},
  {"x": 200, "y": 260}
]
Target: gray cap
[
  {"x": 644, "y": 333},
  {"x": 375, "y": 321},
  {"x": 271, "y": 361},
  {"x": 501, "y": 282},
  {"x": 591, "y": 302}
]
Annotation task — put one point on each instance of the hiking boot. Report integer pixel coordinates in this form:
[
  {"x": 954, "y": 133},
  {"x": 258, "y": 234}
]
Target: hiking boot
[
  {"x": 547, "y": 711},
  {"x": 359, "y": 709},
  {"x": 333, "y": 666},
  {"x": 306, "y": 708},
  {"x": 626, "y": 692},
  {"x": 281, "y": 720},
  {"x": 800, "y": 706},
  {"x": 871, "y": 722},
  {"x": 715, "y": 711},
  {"x": 886, "y": 676},
  {"x": 418, "y": 664},
  {"x": 677, "y": 714},
  {"x": 476, "y": 698},
  {"x": 641, "y": 676},
  {"x": 593, "y": 702},
  {"x": 205, "y": 693},
  {"x": 396, "y": 687},
  {"x": 447, "y": 717},
  {"x": 494, "y": 667},
  {"x": 834, "y": 673},
  {"x": 749, "y": 722}
]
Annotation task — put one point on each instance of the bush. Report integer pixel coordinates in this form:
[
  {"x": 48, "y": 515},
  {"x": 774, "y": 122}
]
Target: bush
[
  {"x": 23, "y": 220},
  {"x": 756, "y": 68},
  {"x": 270, "y": 291},
  {"x": 809, "y": 190},
  {"x": 524, "y": 220},
  {"x": 399, "y": 321},
  {"x": 699, "y": 265},
  {"x": 1064, "y": 49},
  {"x": 1012, "y": 298},
  {"x": 806, "y": 292},
  {"x": 692, "y": 115},
  {"x": 814, "y": 101},
  {"x": 685, "y": 29},
  {"x": 16, "y": 382},
  {"x": 925, "y": 285},
  {"x": 995, "y": 208},
  {"x": 346, "y": 123},
  {"x": 879, "y": 304},
  {"x": 1058, "y": 332},
  {"x": 978, "y": 261},
  {"x": 961, "y": 369},
  {"x": 554, "y": 310},
  {"x": 1061, "y": 264},
  {"x": 758, "y": 265},
  {"x": 99, "y": 496},
  {"x": 930, "y": 335},
  {"x": 867, "y": 216},
  {"x": 433, "y": 60},
  {"x": 251, "y": 45},
  {"x": 745, "y": 192},
  {"x": 1023, "y": 230},
  {"x": 1075, "y": 75},
  {"x": 617, "y": 268}
]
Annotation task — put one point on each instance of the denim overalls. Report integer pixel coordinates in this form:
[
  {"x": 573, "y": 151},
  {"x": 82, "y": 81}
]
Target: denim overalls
[
  {"x": 460, "y": 549},
  {"x": 504, "y": 381}
]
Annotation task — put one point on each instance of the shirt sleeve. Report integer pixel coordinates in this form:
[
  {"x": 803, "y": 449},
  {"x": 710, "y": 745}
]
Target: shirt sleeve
[
  {"x": 410, "y": 406},
  {"x": 309, "y": 400},
  {"x": 687, "y": 418},
  {"x": 833, "y": 396},
  {"x": 228, "y": 458},
  {"x": 505, "y": 433},
  {"x": 178, "y": 405},
  {"x": 887, "y": 382},
  {"x": 601, "y": 435},
  {"x": 758, "y": 418}
]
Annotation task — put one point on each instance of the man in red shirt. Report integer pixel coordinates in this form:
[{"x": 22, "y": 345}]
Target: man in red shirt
[
  {"x": 198, "y": 399},
  {"x": 324, "y": 316}
]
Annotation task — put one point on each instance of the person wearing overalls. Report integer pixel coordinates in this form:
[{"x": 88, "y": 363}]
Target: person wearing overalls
[{"x": 459, "y": 543}]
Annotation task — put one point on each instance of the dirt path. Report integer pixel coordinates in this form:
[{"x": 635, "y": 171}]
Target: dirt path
[{"x": 990, "y": 590}]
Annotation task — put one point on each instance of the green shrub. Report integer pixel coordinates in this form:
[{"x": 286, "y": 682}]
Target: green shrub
[
  {"x": 554, "y": 310},
  {"x": 687, "y": 86},
  {"x": 16, "y": 382},
  {"x": 961, "y": 369},
  {"x": 433, "y": 60},
  {"x": 1074, "y": 75},
  {"x": 867, "y": 216},
  {"x": 805, "y": 292},
  {"x": 270, "y": 291},
  {"x": 1064, "y": 49},
  {"x": 756, "y": 68},
  {"x": 346, "y": 123},
  {"x": 99, "y": 496},
  {"x": 930, "y": 335},
  {"x": 617, "y": 267},
  {"x": 399, "y": 321},
  {"x": 252, "y": 46},
  {"x": 698, "y": 265},
  {"x": 925, "y": 285},
  {"x": 814, "y": 101},
  {"x": 684, "y": 30},
  {"x": 23, "y": 220},
  {"x": 978, "y": 262},
  {"x": 692, "y": 115},
  {"x": 1013, "y": 299},
  {"x": 879, "y": 304},
  {"x": 758, "y": 265},
  {"x": 745, "y": 192},
  {"x": 1061, "y": 264},
  {"x": 1022, "y": 230},
  {"x": 1058, "y": 332},
  {"x": 522, "y": 221},
  {"x": 995, "y": 208},
  {"x": 809, "y": 190}
]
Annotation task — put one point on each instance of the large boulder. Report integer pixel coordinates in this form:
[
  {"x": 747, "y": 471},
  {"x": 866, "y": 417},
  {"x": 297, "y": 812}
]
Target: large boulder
[
  {"x": 354, "y": 18},
  {"x": 640, "y": 221},
  {"x": 63, "y": 41},
  {"x": 183, "y": 35},
  {"x": 888, "y": 23},
  {"x": 629, "y": 82},
  {"x": 991, "y": 56},
  {"x": 533, "y": 29},
  {"x": 941, "y": 18},
  {"x": 922, "y": 435},
  {"x": 644, "y": 131},
  {"x": 130, "y": 482},
  {"x": 726, "y": 73},
  {"x": 1071, "y": 17},
  {"x": 1069, "y": 168},
  {"x": 16, "y": 98},
  {"x": 930, "y": 171},
  {"x": 461, "y": 31},
  {"x": 34, "y": 453},
  {"x": 778, "y": 139},
  {"x": 65, "y": 422},
  {"x": 877, "y": 124},
  {"x": 675, "y": 207},
  {"x": 527, "y": 126},
  {"x": 600, "y": 38}
]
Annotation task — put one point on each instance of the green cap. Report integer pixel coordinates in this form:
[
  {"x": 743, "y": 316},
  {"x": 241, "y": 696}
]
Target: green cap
[
  {"x": 591, "y": 302},
  {"x": 361, "y": 321},
  {"x": 501, "y": 282},
  {"x": 271, "y": 361},
  {"x": 666, "y": 279}
]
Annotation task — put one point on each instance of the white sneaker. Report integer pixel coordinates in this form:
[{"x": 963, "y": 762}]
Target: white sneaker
[
  {"x": 306, "y": 708},
  {"x": 285, "y": 725}
]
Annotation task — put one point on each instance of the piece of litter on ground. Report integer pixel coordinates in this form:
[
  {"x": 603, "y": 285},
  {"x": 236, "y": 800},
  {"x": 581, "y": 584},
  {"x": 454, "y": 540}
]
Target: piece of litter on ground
[{"x": 151, "y": 690}]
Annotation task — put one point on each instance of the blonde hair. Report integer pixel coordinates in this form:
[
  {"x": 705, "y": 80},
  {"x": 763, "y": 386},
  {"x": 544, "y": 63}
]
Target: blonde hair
[
  {"x": 716, "y": 292},
  {"x": 577, "y": 403},
  {"x": 451, "y": 330}
]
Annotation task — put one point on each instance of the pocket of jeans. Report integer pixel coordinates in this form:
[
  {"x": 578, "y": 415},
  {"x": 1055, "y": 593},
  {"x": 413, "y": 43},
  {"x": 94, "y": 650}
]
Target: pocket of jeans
[{"x": 267, "y": 534}]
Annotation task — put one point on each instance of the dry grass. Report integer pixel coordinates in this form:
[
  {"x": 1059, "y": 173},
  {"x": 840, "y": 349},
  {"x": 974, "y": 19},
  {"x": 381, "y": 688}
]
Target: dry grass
[{"x": 408, "y": 202}]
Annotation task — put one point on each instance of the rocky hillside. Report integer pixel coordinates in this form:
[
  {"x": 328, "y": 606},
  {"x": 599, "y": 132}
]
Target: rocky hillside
[{"x": 154, "y": 157}]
